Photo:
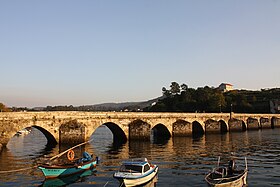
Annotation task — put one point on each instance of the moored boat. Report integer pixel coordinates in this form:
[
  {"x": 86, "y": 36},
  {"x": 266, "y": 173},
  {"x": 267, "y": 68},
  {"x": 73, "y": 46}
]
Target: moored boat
[
  {"x": 227, "y": 176},
  {"x": 136, "y": 172},
  {"x": 70, "y": 168}
]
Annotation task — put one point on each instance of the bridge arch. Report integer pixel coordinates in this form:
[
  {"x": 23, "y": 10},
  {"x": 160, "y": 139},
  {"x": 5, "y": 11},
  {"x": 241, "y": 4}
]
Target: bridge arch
[
  {"x": 118, "y": 133},
  {"x": 50, "y": 138},
  {"x": 223, "y": 126},
  {"x": 197, "y": 129},
  {"x": 160, "y": 131}
]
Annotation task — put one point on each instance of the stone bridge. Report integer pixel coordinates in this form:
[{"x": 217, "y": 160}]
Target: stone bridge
[{"x": 76, "y": 127}]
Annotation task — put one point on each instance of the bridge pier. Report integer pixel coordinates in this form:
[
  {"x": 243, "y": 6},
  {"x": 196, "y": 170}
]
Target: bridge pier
[
  {"x": 139, "y": 130},
  {"x": 182, "y": 128},
  {"x": 265, "y": 123},
  {"x": 72, "y": 132},
  {"x": 236, "y": 125},
  {"x": 275, "y": 122},
  {"x": 252, "y": 124}
]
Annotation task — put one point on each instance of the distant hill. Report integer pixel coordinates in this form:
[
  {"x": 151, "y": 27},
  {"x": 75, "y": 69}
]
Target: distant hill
[{"x": 126, "y": 106}]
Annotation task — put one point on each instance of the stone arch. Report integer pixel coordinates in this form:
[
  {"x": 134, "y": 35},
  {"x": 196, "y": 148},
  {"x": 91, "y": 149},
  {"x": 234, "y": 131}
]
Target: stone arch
[
  {"x": 118, "y": 134},
  {"x": 244, "y": 126},
  {"x": 197, "y": 129},
  {"x": 139, "y": 130},
  {"x": 50, "y": 138},
  {"x": 223, "y": 126},
  {"x": 10, "y": 131},
  {"x": 252, "y": 124},
  {"x": 182, "y": 128},
  {"x": 160, "y": 131}
]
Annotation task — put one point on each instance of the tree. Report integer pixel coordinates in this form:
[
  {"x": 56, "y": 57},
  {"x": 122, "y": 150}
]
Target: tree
[
  {"x": 165, "y": 92},
  {"x": 3, "y": 108},
  {"x": 184, "y": 87},
  {"x": 174, "y": 88}
]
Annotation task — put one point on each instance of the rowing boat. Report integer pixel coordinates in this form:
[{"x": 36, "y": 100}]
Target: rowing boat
[
  {"x": 229, "y": 176},
  {"x": 70, "y": 168}
]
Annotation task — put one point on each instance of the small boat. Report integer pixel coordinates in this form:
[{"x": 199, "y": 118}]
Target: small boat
[
  {"x": 224, "y": 176},
  {"x": 136, "y": 172},
  {"x": 70, "y": 168},
  {"x": 23, "y": 131}
]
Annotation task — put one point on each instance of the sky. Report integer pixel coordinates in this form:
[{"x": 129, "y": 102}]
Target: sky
[{"x": 87, "y": 52}]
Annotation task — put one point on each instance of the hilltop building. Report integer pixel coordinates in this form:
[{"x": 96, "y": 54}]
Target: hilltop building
[{"x": 225, "y": 87}]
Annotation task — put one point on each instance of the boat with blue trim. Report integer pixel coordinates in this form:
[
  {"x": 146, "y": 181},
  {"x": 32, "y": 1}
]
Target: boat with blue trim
[
  {"x": 136, "y": 172},
  {"x": 74, "y": 166}
]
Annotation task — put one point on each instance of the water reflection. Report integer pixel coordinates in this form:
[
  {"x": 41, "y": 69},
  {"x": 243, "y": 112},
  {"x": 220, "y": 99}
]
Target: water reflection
[
  {"x": 63, "y": 181},
  {"x": 180, "y": 159}
]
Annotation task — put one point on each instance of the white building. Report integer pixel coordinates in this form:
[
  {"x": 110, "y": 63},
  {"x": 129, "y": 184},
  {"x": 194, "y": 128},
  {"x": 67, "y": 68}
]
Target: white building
[{"x": 225, "y": 87}]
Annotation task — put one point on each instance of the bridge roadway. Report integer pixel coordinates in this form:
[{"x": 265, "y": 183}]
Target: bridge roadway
[{"x": 65, "y": 127}]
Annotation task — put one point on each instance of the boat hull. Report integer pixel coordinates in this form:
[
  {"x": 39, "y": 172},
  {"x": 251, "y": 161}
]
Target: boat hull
[
  {"x": 62, "y": 171},
  {"x": 237, "y": 181},
  {"x": 135, "y": 180}
]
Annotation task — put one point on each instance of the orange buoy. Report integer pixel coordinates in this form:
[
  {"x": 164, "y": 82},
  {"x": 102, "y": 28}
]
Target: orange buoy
[{"x": 70, "y": 155}]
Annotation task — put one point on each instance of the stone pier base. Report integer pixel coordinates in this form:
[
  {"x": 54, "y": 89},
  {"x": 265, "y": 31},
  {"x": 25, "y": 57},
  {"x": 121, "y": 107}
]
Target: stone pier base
[{"x": 72, "y": 133}]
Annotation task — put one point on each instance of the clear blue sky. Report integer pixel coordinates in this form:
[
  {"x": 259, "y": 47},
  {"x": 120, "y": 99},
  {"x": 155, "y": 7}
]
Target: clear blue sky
[{"x": 66, "y": 52}]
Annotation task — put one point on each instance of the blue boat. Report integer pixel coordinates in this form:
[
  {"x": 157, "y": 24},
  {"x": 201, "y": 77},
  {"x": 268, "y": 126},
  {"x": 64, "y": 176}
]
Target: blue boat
[
  {"x": 136, "y": 172},
  {"x": 73, "y": 167}
]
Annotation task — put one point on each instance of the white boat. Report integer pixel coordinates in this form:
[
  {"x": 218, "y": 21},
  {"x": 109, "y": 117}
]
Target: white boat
[
  {"x": 23, "y": 132},
  {"x": 228, "y": 176},
  {"x": 136, "y": 172}
]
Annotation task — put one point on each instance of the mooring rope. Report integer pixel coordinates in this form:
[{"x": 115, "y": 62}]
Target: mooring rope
[
  {"x": 106, "y": 184},
  {"x": 16, "y": 170},
  {"x": 54, "y": 157}
]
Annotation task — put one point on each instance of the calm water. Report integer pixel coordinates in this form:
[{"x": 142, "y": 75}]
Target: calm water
[{"x": 182, "y": 161}]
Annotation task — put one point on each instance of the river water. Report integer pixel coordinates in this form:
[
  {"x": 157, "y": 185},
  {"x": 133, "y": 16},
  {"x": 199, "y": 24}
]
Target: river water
[{"x": 182, "y": 161}]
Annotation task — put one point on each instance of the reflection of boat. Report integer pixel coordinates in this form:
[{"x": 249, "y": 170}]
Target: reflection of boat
[
  {"x": 136, "y": 172},
  {"x": 227, "y": 176},
  {"x": 23, "y": 131},
  {"x": 63, "y": 181},
  {"x": 70, "y": 168}
]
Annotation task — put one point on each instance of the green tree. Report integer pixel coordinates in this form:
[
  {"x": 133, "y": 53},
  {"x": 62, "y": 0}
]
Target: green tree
[
  {"x": 174, "y": 88},
  {"x": 184, "y": 87}
]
